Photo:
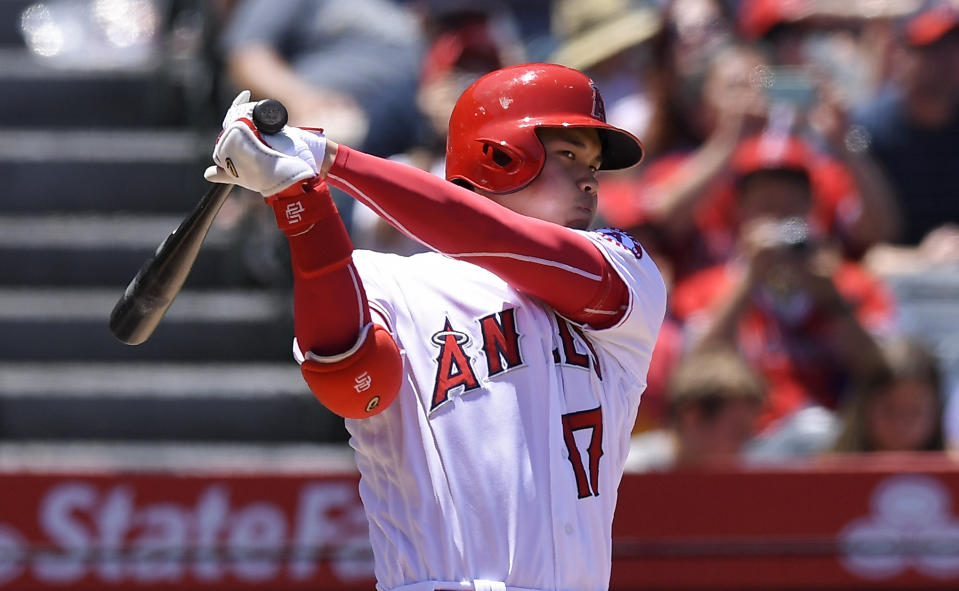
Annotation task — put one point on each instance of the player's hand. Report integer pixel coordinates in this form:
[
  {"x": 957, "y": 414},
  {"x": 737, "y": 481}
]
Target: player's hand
[{"x": 265, "y": 163}]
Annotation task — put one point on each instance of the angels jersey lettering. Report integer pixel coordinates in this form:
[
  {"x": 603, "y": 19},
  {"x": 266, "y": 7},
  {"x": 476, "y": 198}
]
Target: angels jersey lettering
[{"x": 497, "y": 384}]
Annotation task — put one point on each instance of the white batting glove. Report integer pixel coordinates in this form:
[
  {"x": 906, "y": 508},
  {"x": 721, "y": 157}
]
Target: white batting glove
[{"x": 265, "y": 163}]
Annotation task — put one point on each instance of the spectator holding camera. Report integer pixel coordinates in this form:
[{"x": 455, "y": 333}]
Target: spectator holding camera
[
  {"x": 697, "y": 122},
  {"x": 683, "y": 201},
  {"x": 801, "y": 315},
  {"x": 827, "y": 59}
]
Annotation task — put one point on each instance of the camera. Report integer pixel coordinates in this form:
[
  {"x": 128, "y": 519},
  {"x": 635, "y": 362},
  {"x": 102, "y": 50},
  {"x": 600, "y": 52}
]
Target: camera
[
  {"x": 792, "y": 85},
  {"x": 794, "y": 234}
]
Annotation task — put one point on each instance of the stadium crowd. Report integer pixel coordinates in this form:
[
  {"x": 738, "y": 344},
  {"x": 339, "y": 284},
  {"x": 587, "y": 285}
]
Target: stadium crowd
[{"x": 800, "y": 155}]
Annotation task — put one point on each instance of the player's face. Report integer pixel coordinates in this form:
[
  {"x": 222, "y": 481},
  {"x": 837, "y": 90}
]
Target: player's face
[{"x": 565, "y": 190}]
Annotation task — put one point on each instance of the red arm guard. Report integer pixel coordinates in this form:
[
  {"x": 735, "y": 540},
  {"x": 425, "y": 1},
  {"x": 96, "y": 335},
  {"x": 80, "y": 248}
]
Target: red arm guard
[
  {"x": 352, "y": 366},
  {"x": 330, "y": 307}
]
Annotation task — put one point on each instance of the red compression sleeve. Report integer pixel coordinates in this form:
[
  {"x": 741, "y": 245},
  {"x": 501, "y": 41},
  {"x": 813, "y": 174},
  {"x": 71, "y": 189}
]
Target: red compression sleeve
[
  {"x": 542, "y": 259},
  {"x": 330, "y": 307}
]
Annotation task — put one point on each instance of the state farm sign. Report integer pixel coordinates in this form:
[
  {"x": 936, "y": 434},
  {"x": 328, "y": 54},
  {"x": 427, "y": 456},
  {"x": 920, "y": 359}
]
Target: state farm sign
[
  {"x": 176, "y": 530},
  {"x": 911, "y": 527}
]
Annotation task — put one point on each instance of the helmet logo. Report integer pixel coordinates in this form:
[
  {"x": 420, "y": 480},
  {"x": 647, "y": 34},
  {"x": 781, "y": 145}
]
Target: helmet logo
[{"x": 599, "y": 108}]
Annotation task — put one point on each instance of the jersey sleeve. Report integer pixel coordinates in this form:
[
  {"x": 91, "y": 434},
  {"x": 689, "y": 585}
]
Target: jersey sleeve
[
  {"x": 379, "y": 285},
  {"x": 632, "y": 338}
]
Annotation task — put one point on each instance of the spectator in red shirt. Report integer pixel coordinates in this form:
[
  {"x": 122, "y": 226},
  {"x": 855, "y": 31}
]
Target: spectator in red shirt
[
  {"x": 682, "y": 197},
  {"x": 802, "y": 315}
]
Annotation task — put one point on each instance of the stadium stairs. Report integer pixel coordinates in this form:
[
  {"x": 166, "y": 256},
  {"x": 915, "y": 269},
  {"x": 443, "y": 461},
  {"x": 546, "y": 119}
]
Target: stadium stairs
[{"x": 98, "y": 167}]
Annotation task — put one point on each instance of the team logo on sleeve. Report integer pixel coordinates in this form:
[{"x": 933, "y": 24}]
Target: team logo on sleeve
[{"x": 621, "y": 239}]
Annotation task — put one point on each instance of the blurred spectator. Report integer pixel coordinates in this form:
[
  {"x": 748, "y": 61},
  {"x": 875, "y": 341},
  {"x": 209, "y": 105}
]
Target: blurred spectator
[
  {"x": 800, "y": 314},
  {"x": 683, "y": 199},
  {"x": 352, "y": 65},
  {"x": 714, "y": 399},
  {"x": 899, "y": 407},
  {"x": 846, "y": 42},
  {"x": 685, "y": 33},
  {"x": 913, "y": 130},
  {"x": 691, "y": 138},
  {"x": 607, "y": 40},
  {"x": 463, "y": 44},
  {"x": 827, "y": 58},
  {"x": 708, "y": 100}
]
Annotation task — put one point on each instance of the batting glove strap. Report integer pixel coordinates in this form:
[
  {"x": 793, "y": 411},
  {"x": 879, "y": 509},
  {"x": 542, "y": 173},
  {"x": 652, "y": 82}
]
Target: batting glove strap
[
  {"x": 299, "y": 207},
  {"x": 319, "y": 242}
]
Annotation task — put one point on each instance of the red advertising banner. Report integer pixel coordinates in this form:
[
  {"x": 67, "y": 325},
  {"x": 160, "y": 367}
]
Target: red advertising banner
[
  {"x": 867, "y": 522},
  {"x": 874, "y": 522},
  {"x": 192, "y": 532}
]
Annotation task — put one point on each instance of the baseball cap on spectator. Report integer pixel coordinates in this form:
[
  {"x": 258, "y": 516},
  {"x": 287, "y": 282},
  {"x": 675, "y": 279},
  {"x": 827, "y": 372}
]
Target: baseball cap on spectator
[
  {"x": 594, "y": 31},
  {"x": 757, "y": 18},
  {"x": 771, "y": 151},
  {"x": 931, "y": 24},
  {"x": 468, "y": 46}
]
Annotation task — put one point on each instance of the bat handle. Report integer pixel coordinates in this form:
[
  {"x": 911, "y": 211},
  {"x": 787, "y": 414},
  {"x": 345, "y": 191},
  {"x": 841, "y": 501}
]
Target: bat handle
[
  {"x": 270, "y": 116},
  {"x": 158, "y": 281}
]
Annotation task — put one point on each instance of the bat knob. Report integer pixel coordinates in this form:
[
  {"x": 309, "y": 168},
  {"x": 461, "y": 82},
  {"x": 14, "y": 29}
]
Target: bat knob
[{"x": 269, "y": 116}]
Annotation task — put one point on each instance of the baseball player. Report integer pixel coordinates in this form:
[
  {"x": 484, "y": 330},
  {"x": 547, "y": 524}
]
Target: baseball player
[{"x": 489, "y": 387}]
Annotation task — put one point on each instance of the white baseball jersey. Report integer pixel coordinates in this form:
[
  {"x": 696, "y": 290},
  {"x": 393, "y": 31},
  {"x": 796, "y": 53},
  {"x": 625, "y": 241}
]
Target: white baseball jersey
[{"x": 501, "y": 457}]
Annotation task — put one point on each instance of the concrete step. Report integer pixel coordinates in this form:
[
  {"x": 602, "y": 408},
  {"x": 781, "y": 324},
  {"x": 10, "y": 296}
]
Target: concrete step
[
  {"x": 161, "y": 401},
  {"x": 176, "y": 458},
  {"x": 103, "y": 171},
  {"x": 72, "y": 324},
  {"x": 36, "y": 94},
  {"x": 107, "y": 250}
]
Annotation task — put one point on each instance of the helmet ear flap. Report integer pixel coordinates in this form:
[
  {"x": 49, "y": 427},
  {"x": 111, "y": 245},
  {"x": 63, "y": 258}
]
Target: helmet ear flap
[
  {"x": 503, "y": 167},
  {"x": 499, "y": 156}
]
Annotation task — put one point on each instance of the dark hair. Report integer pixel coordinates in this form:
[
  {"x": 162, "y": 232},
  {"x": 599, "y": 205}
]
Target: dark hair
[
  {"x": 710, "y": 378},
  {"x": 904, "y": 359},
  {"x": 800, "y": 177}
]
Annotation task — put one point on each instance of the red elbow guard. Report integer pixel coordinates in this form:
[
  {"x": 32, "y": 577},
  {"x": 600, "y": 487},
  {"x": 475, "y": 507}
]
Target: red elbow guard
[{"x": 360, "y": 383}]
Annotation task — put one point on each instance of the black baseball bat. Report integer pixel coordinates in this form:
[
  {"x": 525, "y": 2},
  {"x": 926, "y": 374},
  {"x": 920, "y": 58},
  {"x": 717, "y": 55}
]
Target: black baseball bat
[{"x": 146, "y": 299}]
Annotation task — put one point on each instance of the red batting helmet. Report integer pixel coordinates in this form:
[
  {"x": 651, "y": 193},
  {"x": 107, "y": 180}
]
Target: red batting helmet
[{"x": 492, "y": 142}]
